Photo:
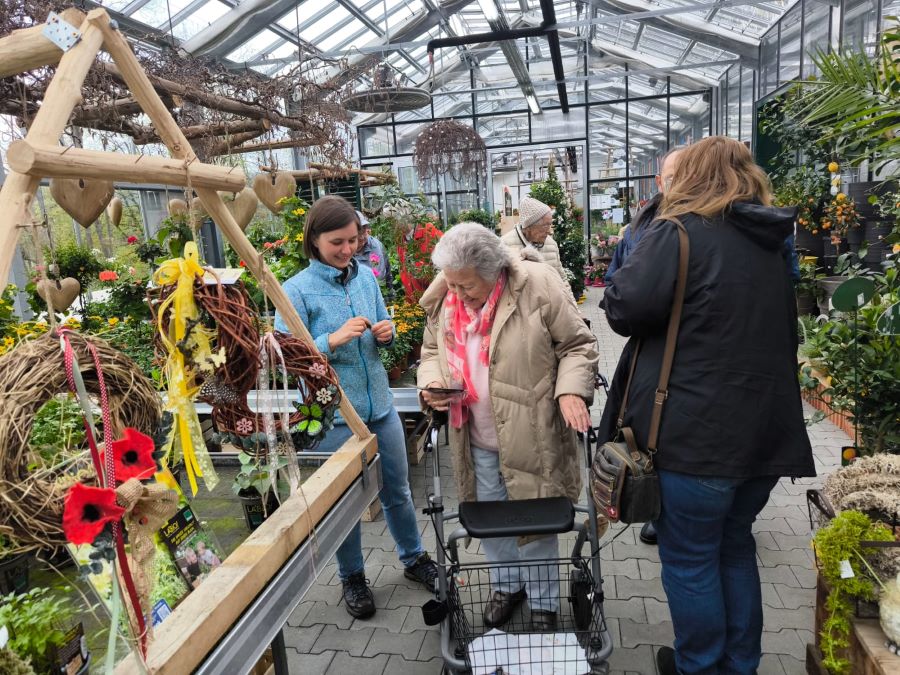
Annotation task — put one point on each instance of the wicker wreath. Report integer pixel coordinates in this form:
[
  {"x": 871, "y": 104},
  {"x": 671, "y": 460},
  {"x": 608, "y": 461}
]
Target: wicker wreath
[
  {"x": 232, "y": 312},
  {"x": 31, "y": 375}
]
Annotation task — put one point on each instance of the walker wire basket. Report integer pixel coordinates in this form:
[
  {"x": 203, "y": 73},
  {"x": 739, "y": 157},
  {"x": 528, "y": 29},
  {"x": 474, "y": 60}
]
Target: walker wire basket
[{"x": 516, "y": 648}]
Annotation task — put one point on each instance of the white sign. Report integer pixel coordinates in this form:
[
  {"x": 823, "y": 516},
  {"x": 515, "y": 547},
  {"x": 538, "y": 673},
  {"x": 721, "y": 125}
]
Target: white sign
[
  {"x": 618, "y": 216},
  {"x": 595, "y": 202},
  {"x": 605, "y": 202}
]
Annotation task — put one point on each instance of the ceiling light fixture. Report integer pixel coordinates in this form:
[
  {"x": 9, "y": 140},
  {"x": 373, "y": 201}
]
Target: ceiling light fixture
[{"x": 533, "y": 104}]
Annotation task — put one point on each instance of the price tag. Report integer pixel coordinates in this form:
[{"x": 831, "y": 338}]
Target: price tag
[
  {"x": 846, "y": 570},
  {"x": 4, "y": 636}
]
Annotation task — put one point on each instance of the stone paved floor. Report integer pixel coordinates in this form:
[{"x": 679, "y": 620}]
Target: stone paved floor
[{"x": 322, "y": 638}]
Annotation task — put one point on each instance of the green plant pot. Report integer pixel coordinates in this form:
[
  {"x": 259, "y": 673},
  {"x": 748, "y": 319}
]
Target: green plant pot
[{"x": 252, "y": 502}]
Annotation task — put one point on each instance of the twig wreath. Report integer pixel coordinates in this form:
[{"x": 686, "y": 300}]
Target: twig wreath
[
  {"x": 30, "y": 376},
  {"x": 230, "y": 310}
]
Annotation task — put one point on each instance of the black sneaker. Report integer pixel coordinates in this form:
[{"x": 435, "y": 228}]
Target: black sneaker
[
  {"x": 665, "y": 661},
  {"x": 358, "y": 596},
  {"x": 424, "y": 571}
]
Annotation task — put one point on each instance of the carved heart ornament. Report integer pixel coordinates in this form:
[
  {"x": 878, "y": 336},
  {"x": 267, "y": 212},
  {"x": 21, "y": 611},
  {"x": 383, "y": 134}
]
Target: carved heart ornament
[
  {"x": 82, "y": 198},
  {"x": 114, "y": 211},
  {"x": 61, "y": 293},
  {"x": 270, "y": 187},
  {"x": 242, "y": 205}
]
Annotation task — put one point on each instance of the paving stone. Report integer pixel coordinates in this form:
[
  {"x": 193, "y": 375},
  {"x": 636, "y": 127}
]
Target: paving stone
[
  {"x": 794, "y": 597},
  {"x": 302, "y": 639},
  {"x": 629, "y": 609},
  {"x": 409, "y": 597},
  {"x": 308, "y": 664},
  {"x": 786, "y": 641},
  {"x": 612, "y": 625},
  {"x": 330, "y": 595},
  {"x": 769, "y": 664},
  {"x": 414, "y": 622},
  {"x": 791, "y": 665},
  {"x": 657, "y": 612},
  {"x": 634, "y": 634},
  {"x": 392, "y": 619},
  {"x": 795, "y": 556},
  {"x": 344, "y": 664},
  {"x": 297, "y": 616},
  {"x": 650, "y": 569},
  {"x": 334, "y": 639},
  {"x": 765, "y": 540},
  {"x": 776, "y": 619},
  {"x": 393, "y": 576},
  {"x": 397, "y": 665},
  {"x": 431, "y": 645},
  {"x": 624, "y": 551},
  {"x": 787, "y": 542},
  {"x": 621, "y": 568},
  {"x": 770, "y": 596},
  {"x": 640, "y": 659},
  {"x": 772, "y": 525},
  {"x": 643, "y": 588},
  {"x": 781, "y": 574},
  {"x": 386, "y": 642},
  {"x": 327, "y": 614},
  {"x": 806, "y": 576}
]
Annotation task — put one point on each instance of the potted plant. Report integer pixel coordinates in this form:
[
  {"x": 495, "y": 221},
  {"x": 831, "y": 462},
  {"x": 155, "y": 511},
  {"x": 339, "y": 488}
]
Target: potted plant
[
  {"x": 253, "y": 480},
  {"x": 841, "y": 549},
  {"x": 38, "y": 626},
  {"x": 806, "y": 287}
]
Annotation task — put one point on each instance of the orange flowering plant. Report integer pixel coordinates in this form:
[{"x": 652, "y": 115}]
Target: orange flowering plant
[{"x": 839, "y": 216}]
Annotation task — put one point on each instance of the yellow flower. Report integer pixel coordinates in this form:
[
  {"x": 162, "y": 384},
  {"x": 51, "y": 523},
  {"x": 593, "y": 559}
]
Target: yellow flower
[
  {"x": 282, "y": 200},
  {"x": 298, "y": 212},
  {"x": 833, "y": 167},
  {"x": 896, "y": 248},
  {"x": 299, "y": 237},
  {"x": 112, "y": 321},
  {"x": 8, "y": 342},
  {"x": 840, "y": 197}
]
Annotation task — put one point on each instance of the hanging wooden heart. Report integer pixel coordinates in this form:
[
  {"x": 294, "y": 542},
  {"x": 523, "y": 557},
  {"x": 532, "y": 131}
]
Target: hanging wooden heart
[
  {"x": 270, "y": 187},
  {"x": 242, "y": 205},
  {"x": 83, "y": 199},
  {"x": 61, "y": 293},
  {"x": 178, "y": 207},
  {"x": 114, "y": 211}
]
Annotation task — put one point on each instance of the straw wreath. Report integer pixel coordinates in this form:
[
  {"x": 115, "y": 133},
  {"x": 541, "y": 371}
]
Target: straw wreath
[{"x": 30, "y": 376}]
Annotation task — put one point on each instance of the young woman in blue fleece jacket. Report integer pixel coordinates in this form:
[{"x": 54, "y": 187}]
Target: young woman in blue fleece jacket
[{"x": 342, "y": 307}]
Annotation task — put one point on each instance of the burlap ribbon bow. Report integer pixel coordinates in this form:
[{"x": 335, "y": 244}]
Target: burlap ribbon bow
[{"x": 147, "y": 508}]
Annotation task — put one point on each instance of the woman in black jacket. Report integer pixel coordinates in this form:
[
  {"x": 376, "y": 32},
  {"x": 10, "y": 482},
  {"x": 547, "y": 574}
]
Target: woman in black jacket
[{"x": 733, "y": 421}]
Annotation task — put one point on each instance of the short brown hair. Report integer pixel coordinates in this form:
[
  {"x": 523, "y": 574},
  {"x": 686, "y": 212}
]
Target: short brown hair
[
  {"x": 327, "y": 214},
  {"x": 712, "y": 174}
]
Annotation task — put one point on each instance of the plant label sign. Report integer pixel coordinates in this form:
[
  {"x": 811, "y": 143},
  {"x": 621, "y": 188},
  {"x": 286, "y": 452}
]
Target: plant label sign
[
  {"x": 846, "y": 570},
  {"x": 4, "y": 636}
]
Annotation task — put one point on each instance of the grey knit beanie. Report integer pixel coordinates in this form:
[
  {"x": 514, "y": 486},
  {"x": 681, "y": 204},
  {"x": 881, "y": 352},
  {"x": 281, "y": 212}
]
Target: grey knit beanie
[{"x": 531, "y": 211}]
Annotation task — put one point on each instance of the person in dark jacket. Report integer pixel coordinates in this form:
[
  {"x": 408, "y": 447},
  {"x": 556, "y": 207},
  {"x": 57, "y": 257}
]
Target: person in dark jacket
[{"x": 733, "y": 422}]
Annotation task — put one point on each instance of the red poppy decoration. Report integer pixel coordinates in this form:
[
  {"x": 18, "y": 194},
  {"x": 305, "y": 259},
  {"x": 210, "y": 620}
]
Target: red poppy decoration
[
  {"x": 86, "y": 512},
  {"x": 133, "y": 456}
]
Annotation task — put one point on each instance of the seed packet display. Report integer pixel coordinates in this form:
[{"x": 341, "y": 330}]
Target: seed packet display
[{"x": 194, "y": 550}]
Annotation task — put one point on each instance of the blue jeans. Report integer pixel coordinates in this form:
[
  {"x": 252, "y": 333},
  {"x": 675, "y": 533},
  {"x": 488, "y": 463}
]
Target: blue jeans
[
  {"x": 540, "y": 581},
  {"x": 709, "y": 570},
  {"x": 395, "y": 496}
]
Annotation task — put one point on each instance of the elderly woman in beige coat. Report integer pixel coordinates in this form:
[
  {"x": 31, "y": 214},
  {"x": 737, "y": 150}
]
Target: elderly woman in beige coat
[
  {"x": 504, "y": 332},
  {"x": 532, "y": 234}
]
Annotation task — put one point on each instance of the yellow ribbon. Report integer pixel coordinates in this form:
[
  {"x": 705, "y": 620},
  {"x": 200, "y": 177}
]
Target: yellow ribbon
[{"x": 181, "y": 272}]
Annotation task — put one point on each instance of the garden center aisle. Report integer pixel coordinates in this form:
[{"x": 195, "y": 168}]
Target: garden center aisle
[{"x": 322, "y": 638}]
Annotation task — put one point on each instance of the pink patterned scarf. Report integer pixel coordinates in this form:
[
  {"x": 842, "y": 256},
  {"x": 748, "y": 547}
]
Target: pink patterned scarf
[{"x": 460, "y": 322}]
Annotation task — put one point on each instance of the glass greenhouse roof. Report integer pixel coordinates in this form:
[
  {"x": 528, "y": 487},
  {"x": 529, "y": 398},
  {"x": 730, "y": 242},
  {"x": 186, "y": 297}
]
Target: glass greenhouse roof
[{"x": 692, "y": 40}]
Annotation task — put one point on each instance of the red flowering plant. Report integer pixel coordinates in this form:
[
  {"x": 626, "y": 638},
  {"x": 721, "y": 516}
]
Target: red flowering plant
[
  {"x": 416, "y": 269},
  {"x": 87, "y": 511},
  {"x": 126, "y": 299},
  {"x": 134, "y": 456}
]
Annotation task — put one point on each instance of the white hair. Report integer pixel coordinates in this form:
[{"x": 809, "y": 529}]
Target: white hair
[{"x": 472, "y": 245}]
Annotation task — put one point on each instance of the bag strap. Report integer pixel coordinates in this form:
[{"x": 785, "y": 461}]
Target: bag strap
[
  {"x": 662, "y": 389},
  {"x": 662, "y": 392}
]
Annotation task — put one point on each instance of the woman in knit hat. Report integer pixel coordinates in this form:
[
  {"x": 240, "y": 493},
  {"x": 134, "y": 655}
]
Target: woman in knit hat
[{"x": 533, "y": 231}]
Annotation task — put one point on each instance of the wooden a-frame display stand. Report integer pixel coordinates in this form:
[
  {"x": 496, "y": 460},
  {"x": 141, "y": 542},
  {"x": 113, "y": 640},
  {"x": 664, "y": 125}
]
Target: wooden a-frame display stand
[{"x": 199, "y": 622}]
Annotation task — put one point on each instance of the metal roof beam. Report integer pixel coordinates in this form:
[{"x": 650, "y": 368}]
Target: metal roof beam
[
  {"x": 372, "y": 26},
  {"x": 693, "y": 29},
  {"x": 555, "y": 54}
]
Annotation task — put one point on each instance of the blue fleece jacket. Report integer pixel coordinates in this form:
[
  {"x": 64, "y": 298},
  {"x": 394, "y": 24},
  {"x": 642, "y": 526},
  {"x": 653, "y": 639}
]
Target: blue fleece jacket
[{"x": 325, "y": 298}]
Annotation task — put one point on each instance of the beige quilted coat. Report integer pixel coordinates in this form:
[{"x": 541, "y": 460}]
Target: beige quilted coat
[
  {"x": 548, "y": 253},
  {"x": 540, "y": 349}
]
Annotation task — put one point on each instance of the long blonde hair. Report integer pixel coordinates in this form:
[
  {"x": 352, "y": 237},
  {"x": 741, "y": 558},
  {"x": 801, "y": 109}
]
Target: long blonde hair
[{"x": 710, "y": 176}]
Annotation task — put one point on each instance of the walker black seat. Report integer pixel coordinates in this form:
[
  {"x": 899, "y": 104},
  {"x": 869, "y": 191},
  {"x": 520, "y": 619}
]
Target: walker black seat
[{"x": 519, "y": 518}]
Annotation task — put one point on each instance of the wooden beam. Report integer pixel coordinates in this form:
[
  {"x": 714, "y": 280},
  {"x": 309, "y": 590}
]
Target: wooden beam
[
  {"x": 27, "y": 49},
  {"x": 230, "y": 144},
  {"x": 122, "y": 107},
  {"x": 213, "y": 101},
  {"x": 63, "y": 94},
  {"x": 278, "y": 145},
  {"x": 54, "y": 161},
  {"x": 197, "y": 625},
  {"x": 142, "y": 89},
  {"x": 203, "y": 130}
]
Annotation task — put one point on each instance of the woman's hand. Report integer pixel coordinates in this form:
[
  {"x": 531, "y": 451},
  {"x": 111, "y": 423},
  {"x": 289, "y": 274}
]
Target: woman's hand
[
  {"x": 575, "y": 412},
  {"x": 383, "y": 331},
  {"x": 354, "y": 328},
  {"x": 436, "y": 401}
]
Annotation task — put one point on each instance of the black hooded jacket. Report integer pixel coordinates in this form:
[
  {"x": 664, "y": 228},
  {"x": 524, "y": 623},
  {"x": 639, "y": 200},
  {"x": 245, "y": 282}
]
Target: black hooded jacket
[{"x": 734, "y": 407}]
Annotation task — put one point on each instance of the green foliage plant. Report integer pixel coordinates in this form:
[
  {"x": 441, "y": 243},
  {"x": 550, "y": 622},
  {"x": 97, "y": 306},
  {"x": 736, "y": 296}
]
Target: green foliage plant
[
  {"x": 12, "y": 664},
  {"x": 36, "y": 621},
  {"x": 840, "y": 543},
  {"x": 480, "y": 216},
  {"x": 255, "y": 473},
  {"x": 57, "y": 430},
  {"x": 568, "y": 230}
]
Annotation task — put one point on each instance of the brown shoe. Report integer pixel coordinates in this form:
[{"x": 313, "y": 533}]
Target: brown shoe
[
  {"x": 543, "y": 621},
  {"x": 500, "y": 607}
]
